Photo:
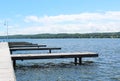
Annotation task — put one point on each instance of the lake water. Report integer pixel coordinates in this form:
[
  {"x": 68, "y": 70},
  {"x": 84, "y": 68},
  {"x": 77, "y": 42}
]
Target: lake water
[{"x": 106, "y": 67}]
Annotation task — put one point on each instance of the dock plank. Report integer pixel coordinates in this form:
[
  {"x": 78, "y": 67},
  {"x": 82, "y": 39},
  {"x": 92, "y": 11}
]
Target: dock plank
[
  {"x": 42, "y": 48},
  {"x": 33, "y": 48},
  {"x": 14, "y": 46},
  {"x": 77, "y": 56},
  {"x": 53, "y": 55},
  {"x": 6, "y": 66}
]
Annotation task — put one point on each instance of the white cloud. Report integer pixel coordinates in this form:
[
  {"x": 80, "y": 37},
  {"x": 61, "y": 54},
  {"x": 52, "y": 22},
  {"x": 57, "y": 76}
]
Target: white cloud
[
  {"x": 76, "y": 23},
  {"x": 31, "y": 18},
  {"x": 75, "y": 17}
]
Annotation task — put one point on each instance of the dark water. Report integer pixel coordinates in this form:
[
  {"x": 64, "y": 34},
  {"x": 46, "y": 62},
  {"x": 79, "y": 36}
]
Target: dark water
[{"x": 104, "y": 68}]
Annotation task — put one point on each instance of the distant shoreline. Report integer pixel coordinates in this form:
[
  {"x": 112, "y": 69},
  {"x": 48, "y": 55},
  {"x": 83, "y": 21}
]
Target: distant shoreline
[{"x": 65, "y": 35}]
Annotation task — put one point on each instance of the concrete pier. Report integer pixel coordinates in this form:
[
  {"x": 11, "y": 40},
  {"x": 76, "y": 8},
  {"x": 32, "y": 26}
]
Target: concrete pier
[{"x": 6, "y": 66}]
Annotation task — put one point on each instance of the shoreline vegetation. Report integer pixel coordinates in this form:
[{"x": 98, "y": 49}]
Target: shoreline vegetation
[{"x": 66, "y": 35}]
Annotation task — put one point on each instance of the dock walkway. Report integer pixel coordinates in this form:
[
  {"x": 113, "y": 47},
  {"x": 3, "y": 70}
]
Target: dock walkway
[
  {"x": 33, "y": 48},
  {"x": 6, "y": 66},
  {"x": 77, "y": 56}
]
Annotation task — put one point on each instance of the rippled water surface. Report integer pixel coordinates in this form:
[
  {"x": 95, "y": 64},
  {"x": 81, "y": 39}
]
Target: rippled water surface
[{"x": 106, "y": 67}]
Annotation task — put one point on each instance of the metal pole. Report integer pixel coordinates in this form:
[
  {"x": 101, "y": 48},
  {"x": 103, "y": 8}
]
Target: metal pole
[
  {"x": 7, "y": 30},
  {"x": 6, "y": 24}
]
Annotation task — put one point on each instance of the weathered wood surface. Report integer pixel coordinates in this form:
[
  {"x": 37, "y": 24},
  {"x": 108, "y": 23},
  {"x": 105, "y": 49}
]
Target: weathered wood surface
[
  {"x": 24, "y": 44},
  {"x": 14, "y": 46},
  {"x": 6, "y": 67},
  {"x": 77, "y": 56},
  {"x": 53, "y": 55},
  {"x": 42, "y": 48},
  {"x": 30, "y": 48},
  {"x": 19, "y": 43}
]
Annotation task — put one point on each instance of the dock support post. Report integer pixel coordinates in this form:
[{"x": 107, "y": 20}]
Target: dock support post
[
  {"x": 10, "y": 52},
  {"x": 49, "y": 50},
  {"x": 14, "y": 63},
  {"x": 80, "y": 60},
  {"x": 75, "y": 60}
]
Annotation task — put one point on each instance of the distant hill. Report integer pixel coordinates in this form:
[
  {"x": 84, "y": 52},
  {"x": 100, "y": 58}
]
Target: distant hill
[{"x": 67, "y": 35}]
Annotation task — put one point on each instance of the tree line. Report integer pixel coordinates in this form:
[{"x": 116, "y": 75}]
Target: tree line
[{"x": 66, "y": 35}]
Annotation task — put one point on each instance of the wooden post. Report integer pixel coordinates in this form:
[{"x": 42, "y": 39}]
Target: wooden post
[
  {"x": 80, "y": 60},
  {"x": 10, "y": 52},
  {"x": 14, "y": 63},
  {"x": 49, "y": 50},
  {"x": 75, "y": 60}
]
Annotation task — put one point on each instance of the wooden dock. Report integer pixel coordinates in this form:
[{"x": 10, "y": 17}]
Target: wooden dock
[
  {"x": 20, "y": 43},
  {"x": 6, "y": 66},
  {"x": 77, "y": 56},
  {"x": 30, "y": 48},
  {"x": 14, "y": 46},
  {"x": 7, "y": 61},
  {"x": 24, "y": 44}
]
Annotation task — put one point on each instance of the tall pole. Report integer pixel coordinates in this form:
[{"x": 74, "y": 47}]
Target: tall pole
[
  {"x": 6, "y": 24},
  {"x": 7, "y": 29}
]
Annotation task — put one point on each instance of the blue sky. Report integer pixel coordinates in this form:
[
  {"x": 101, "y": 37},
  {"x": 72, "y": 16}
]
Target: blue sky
[{"x": 59, "y": 16}]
